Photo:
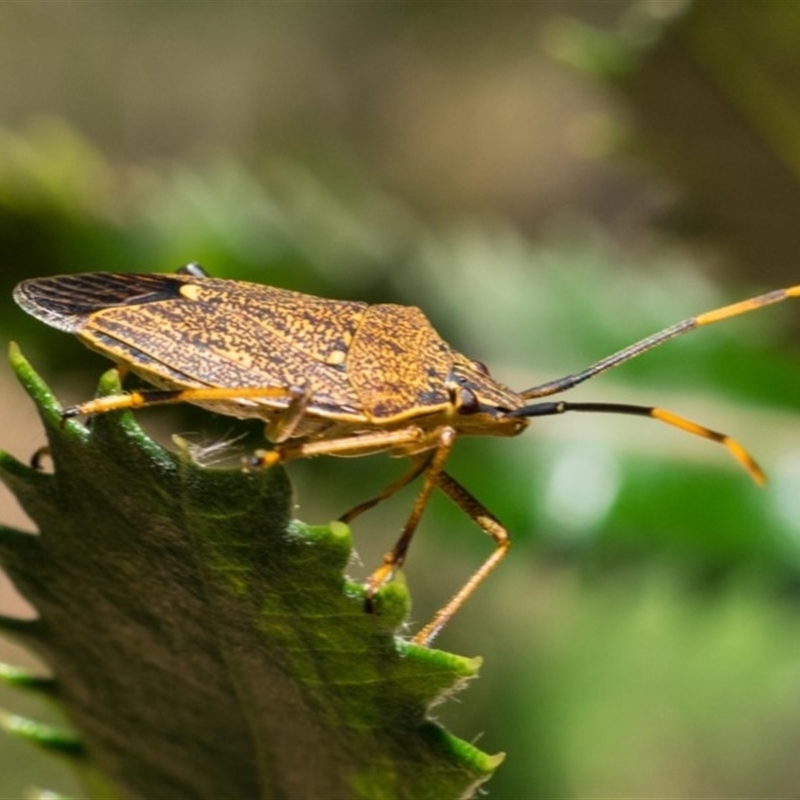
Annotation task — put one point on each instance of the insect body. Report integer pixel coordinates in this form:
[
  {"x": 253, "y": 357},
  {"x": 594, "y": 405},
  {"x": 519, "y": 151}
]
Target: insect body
[{"x": 327, "y": 377}]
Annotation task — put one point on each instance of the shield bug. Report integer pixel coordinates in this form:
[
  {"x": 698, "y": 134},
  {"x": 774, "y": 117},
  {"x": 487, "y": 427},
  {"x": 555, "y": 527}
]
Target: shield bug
[{"x": 329, "y": 377}]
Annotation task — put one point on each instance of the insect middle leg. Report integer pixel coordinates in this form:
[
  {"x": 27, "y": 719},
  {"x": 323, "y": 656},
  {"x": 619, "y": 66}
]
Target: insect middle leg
[
  {"x": 432, "y": 469},
  {"x": 416, "y": 470}
]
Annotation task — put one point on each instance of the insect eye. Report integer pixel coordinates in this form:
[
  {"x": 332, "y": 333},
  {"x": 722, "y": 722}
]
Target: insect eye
[
  {"x": 480, "y": 367},
  {"x": 467, "y": 402}
]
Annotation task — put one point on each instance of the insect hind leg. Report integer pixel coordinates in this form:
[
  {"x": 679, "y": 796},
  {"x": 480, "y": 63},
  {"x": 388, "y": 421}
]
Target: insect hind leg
[
  {"x": 140, "y": 399},
  {"x": 490, "y": 525}
]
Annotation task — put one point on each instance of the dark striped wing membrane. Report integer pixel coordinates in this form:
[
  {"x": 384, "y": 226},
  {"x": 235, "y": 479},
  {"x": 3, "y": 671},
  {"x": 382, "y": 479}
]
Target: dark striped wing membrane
[{"x": 65, "y": 301}]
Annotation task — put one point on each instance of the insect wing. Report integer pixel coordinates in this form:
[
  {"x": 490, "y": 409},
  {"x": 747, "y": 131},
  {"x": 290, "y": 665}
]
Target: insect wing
[{"x": 188, "y": 331}]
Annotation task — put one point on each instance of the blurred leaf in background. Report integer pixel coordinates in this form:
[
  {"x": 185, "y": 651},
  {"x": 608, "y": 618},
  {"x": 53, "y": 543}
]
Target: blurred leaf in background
[
  {"x": 639, "y": 640},
  {"x": 712, "y": 98}
]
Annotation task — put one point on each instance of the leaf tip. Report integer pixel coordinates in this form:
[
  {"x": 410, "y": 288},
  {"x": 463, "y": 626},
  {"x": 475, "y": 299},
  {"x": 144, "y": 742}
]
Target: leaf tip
[
  {"x": 492, "y": 762},
  {"x": 48, "y": 737},
  {"x": 35, "y": 387},
  {"x": 340, "y": 533},
  {"x": 109, "y": 383},
  {"x": 23, "y": 679},
  {"x": 393, "y": 602}
]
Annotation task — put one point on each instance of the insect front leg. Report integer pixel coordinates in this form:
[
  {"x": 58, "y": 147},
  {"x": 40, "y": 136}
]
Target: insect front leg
[
  {"x": 489, "y": 524},
  {"x": 432, "y": 469}
]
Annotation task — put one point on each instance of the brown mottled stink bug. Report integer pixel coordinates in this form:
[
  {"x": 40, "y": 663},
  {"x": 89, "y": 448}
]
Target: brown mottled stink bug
[{"x": 328, "y": 377}]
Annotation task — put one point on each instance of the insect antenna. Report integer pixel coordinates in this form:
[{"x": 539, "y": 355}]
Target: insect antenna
[
  {"x": 662, "y": 415},
  {"x": 657, "y": 339}
]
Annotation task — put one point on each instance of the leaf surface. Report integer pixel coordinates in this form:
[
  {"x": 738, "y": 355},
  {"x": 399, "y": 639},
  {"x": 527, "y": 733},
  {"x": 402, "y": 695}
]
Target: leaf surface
[{"x": 206, "y": 645}]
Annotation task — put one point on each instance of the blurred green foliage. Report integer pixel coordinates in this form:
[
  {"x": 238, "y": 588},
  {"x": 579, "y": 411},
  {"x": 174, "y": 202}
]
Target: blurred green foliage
[{"x": 640, "y": 638}]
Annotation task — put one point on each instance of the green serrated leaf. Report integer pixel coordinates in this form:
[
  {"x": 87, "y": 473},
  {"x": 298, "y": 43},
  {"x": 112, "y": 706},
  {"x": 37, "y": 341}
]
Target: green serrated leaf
[{"x": 206, "y": 645}]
